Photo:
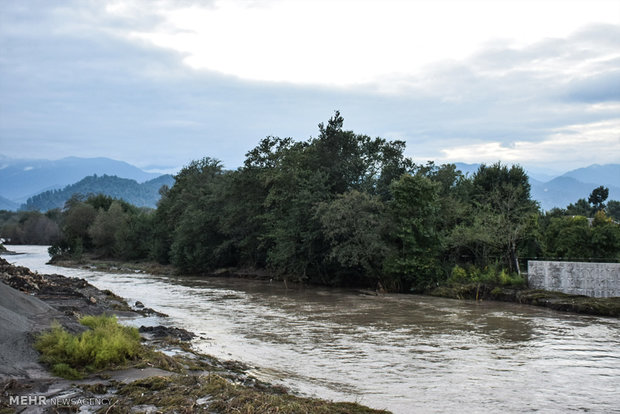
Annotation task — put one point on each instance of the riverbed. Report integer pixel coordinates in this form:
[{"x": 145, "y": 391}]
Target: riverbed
[{"x": 405, "y": 353}]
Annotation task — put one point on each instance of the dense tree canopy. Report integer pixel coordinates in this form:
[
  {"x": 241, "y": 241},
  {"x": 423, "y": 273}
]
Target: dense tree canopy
[{"x": 345, "y": 209}]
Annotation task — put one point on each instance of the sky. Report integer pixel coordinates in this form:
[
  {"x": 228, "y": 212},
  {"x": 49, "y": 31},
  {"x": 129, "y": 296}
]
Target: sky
[{"x": 158, "y": 83}]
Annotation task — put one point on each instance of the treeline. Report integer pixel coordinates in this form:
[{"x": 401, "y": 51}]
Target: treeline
[
  {"x": 106, "y": 226},
  {"x": 340, "y": 209},
  {"x": 30, "y": 227}
]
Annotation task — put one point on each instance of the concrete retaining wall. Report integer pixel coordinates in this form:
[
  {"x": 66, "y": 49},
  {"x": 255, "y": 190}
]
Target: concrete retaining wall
[{"x": 599, "y": 280}]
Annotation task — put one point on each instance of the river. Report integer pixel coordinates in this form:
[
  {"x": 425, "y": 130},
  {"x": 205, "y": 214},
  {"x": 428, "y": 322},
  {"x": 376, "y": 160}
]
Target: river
[{"x": 405, "y": 353}]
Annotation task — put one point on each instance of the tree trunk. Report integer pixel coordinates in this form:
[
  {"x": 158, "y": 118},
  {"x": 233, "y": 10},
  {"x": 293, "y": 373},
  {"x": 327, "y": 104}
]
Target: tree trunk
[{"x": 514, "y": 258}]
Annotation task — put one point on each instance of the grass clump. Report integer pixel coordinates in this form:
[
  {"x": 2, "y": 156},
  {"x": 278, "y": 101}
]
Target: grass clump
[{"x": 106, "y": 344}]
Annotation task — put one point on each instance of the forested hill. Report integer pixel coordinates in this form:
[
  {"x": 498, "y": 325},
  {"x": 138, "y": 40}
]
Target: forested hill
[{"x": 141, "y": 195}]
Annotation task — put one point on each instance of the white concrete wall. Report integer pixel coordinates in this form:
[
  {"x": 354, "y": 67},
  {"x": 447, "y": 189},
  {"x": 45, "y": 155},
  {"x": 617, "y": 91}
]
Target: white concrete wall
[{"x": 599, "y": 280}]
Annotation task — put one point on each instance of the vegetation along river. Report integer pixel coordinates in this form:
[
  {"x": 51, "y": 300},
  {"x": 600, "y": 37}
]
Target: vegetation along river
[{"x": 405, "y": 353}]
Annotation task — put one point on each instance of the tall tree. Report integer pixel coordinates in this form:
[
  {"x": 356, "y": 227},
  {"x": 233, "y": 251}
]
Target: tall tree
[
  {"x": 598, "y": 196},
  {"x": 355, "y": 224},
  {"x": 613, "y": 210},
  {"x": 503, "y": 215},
  {"x": 107, "y": 228},
  {"x": 192, "y": 184},
  {"x": 414, "y": 207}
]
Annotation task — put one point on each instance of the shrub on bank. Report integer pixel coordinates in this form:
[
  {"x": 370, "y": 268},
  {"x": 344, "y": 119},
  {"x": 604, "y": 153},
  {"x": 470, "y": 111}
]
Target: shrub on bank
[
  {"x": 104, "y": 345},
  {"x": 489, "y": 275}
]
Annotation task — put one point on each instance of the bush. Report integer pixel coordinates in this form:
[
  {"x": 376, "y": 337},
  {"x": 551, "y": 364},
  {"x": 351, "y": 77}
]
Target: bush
[
  {"x": 458, "y": 275},
  {"x": 106, "y": 344},
  {"x": 490, "y": 275}
]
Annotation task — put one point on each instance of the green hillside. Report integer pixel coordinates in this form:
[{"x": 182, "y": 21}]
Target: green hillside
[{"x": 141, "y": 195}]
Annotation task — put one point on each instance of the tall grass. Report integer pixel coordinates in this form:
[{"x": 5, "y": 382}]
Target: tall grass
[{"x": 104, "y": 345}]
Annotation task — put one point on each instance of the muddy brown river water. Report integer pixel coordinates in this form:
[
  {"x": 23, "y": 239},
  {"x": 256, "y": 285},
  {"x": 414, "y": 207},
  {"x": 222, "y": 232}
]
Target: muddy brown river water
[{"x": 405, "y": 353}]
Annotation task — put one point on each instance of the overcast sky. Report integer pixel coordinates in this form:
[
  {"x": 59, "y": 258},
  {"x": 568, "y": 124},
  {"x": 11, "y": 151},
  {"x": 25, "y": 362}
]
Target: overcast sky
[{"x": 160, "y": 83}]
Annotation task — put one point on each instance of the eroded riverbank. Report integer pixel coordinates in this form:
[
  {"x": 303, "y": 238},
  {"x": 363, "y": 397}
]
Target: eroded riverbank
[
  {"x": 406, "y": 353},
  {"x": 166, "y": 376}
]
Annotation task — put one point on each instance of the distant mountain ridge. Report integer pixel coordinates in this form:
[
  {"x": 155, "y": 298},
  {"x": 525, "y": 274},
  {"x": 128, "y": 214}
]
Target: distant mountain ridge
[
  {"x": 563, "y": 190},
  {"x": 140, "y": 195},
  {"x": 570, "y": 186},
  {"x": 6, "y": 204},
  {"x": 607, "y": 175},
  {"x": 22, "y": 178}
]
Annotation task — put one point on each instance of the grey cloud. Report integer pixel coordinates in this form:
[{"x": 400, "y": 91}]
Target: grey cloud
[
  {"x": 90, "y": 92},
  {"x": 596, "y": 88},
  {"x": 588, "y": 42}
]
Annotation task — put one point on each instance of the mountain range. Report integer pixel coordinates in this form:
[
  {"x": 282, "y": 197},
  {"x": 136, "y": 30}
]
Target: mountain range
[
  {"x": 44, "y": 184},
  {"x": 23, "y": 178}
]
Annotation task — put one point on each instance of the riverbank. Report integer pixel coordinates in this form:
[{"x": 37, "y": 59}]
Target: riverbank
[
  {"x": 169, "y": 377},
  {"x": 553, "y": 300},
  {"x": 6, "y": 252}
]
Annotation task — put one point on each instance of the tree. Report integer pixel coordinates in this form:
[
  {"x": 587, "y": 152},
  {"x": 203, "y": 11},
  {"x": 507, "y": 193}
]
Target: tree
[
  {"x": 192, "y": 183},
  {"x": 414, "y": 207},
  {"x": 357, "y": 162},
  {"x": 605, "y": 240},
  {"x": 613, "y": 210},
  {"x": 502, "y": 217},
  {"x": 107, "y": 229},
  {"x": 355, "y": 225},
  {"x": 597, "y": 197},
  {"x": 30, "y": 227},
  {"x": 296, "y": 246},
  {"x": 242, "y": 217},
  {"x": 77, "y": 220},
  {"x": 291, "y": 178},
  {"x": 581, "y": 208},
  {"x": 135, "y": 239}
]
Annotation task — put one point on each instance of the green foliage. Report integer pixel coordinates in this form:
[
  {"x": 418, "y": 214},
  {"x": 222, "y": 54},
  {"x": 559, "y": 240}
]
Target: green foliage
[
  {"x": 605, "y": 237},
  {"x": 77, "y": 220},
  {"x": 134, "y": 239},
  {"x": 580, "y": 238},
  {"x": 188, "y": 218},
  {"x": 106, "y": 230},
  {"x": 355, "y": 224},
  {"x": 265, "y": 213},
  {"x": 502, "y": 218},
  {"x": 103, "y": 225},
  {"x": 597, "y": 197},
  {"x": 414, "y": 211},
  {"x": 613, "y": 210},
  {"x": 342, "y": 208},
  {"x": 65, "y": 371},
  {"x": 112, "y": 187},
  {"x": 104, "y": 345},
  {"x": 581, "y": 208},
  {"x": 490, "y": 275},
  {"x": 192, "y": 192},
  {"x": 29, "y": 227},
  {"x": 459, "y": 275}
]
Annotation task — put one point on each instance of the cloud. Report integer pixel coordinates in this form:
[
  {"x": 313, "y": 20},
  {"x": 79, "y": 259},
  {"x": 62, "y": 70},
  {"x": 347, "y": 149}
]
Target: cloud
[
  {"x": 602, "y": 87},
  {"x": 72, "y": 82},
  {"x": 571, "y": 144}
]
